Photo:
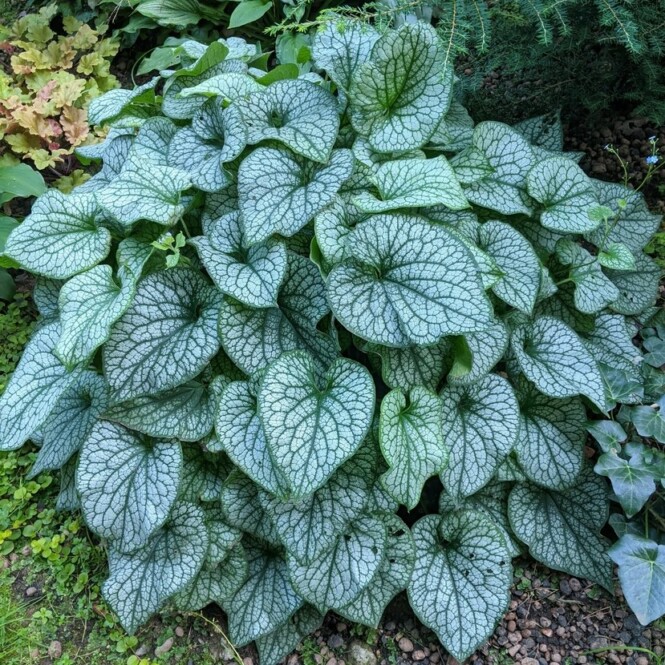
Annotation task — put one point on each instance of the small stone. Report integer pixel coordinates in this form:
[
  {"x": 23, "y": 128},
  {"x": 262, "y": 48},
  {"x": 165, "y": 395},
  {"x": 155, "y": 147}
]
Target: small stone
[
  {"x": 142, "y": 651},
  {"x": 164, "y": 647},
  {"x": 581, "y": 659},
  {"x": 418, "y": 654},
  {"x": 564, "y": 587},
  {"x": 642, "y": 660},
  {"x": 576, "y": 586},
  {"x": 31, "y": 591},
  {"x": 331, "y": 661},
  {"x": 555, "y": 658},
  {"x": 514, "y": 650},
  {"x": 512, "y": 626},
  {"x": 560, "y": 631},
  {"x": 406, "y": 645},
  {"x": 341, "y": 627},
  {"x": 55, "y": 649},
  {"x": 390, "y": 626},
  {"x": 435, "y": 657},
  {"x": 545, "y": 622},
  {"x": 335, "y": 641},
  {"x": 179, "y": 631},
  {"x": 547, "y": 632},
  {"x": 361, "y": 654},
  {"x": 247, "y": 660},
  {"x": 34, "y": 654},
  {"x": 529, "y": 661}
]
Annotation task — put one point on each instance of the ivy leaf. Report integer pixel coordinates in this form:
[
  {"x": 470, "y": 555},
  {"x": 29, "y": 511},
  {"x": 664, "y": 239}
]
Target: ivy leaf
[
  {"x": 391, "y": 578},
  {"x": 403, "y": 82},
  {"x": 114, "y": 103},
  {"x": 518, "y": 262},
  {"x": 61, "y": 236},
  {"x": 301, "y": 115},
  {"x": 566, "y": 193},
  {"x": 127, "y": 484},
  {"x": 280, "y": 192},
  {"x": 140, "y": 582},
  {"x": 632, "y": 480},
  {"x": 215, "y": 584},
  {"x": 251, "y": 275},
  {"x": 649, "y": 421},
  {"x": 71, "y": 422},
  {"x": 253, "y": 338},
  {"x": 562, "y": 529},
  {"x": 608, "y": 433},
  {"x": 240, "y": 435},
  {"x": 510, "y": 157},
  {"x": 36, "y": 385},
  {"x": 314, "y": 424},
  {"x": 635, "y": 223},
  {"x": 461, "y": 579},
  {"x": 413, "y": 183},
  {"x": 552, "y": 356},
  {"x": 412, "y": 366},
  {"x": 402, "y": 286},
  {"x": 475, "y": 354},
  {"x": 642, "y": 575},
  {"x": 411, "y": 442},
  {"x": 171, "y": 323},
  {"x": 550, "y": 443},
  {"x": 265, "y": 601},
  {"x": 638, "y": 288},
  {"x": 185, "y": 413},
  {"x": 336, "y": 577},
  {"x": 593, "y": 290},
  {"x": 145, "y": 192},
  {"x": 309, "y": 527},
  {"x": 90, "y": 303},
  {"x": 480, "y": 425},
  {"x": 276, "y": 646}
]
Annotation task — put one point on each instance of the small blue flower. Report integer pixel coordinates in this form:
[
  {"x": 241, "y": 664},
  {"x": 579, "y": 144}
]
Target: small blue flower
[
  {"x": 651, "y": 159},
  {"x": 652, "y": 139}
]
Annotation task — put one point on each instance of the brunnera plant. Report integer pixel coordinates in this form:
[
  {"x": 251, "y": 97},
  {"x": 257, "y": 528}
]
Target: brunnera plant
[{"x": 282, "y": 307}]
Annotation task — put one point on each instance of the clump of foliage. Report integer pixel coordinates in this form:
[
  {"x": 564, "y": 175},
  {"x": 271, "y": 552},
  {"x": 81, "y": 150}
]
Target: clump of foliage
[
  {"x": 283, "y": 308},
  {"x": 49, "y": 82}
]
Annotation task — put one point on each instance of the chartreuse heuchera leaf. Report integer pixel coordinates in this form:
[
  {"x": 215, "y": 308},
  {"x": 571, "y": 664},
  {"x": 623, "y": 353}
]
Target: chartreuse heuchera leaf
[{"x": 290, "y": 307}]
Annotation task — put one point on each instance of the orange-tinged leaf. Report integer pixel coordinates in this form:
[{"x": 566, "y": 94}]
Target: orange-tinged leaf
[{"x": 75, "y": 124}]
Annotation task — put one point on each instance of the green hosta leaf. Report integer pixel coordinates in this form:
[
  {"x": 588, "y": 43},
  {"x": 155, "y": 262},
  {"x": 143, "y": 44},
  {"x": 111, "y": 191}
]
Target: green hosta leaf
[
  {"x": 185, "y": 413},
  {"x": 510, "y": 157},
  {"x": 313, "y": 425},
  {"x": 566, "y": 193},
  {"x": 240, "y": 434},
  {"x": 280, "y": 192},
  {"x": 411, "y": 441},
  {"x": 310, "y": 526},
  {"x": 251, "y": 275},
  {"x": 475, "y": 354},
  {"x": 215, "y": 137},
  {"x": 248, "y": 11},
  {"x": 403, "y": 285},
  {"x": 632, "y": 480},
  {"x": 617, "y": 256},
  {"x": 71, "y": 422},
  {"x": 642, "y": 575},
  {"x": 146, "y": 192},
  {"x": 243, "y": 509},
  {"x": 34, "y": 389},
  {"x": 127, "y": 484},
  {"x": 90, "y": 303},
  {"x": 517, "y": 262},
  {"x": 550, "y": 443},
  {"x": 552, "y": 356},
  {"x": 265, "y": 601},
  {"x": 215, "y": 584},
  {"x": 274, "y": 647},
  {"x": 492, "y": 502},
  {"x": 638, "y": 288},
  {"x": 461, "y": 580},
  {"x": 141, "y": 581},
  {"x": 341, "y": 49},
  {"x": 115, "y": 102},
  {"x": 336, "y": 577},
  {"x": 412, "y": 366},
  {"x": 593, "y": 290},
  {"x": 399, "y": 96},
  {"x": 413, "y": 183},
  {"x": 562, "y": 529},
  {"x": 392, "y": 576},
  {"x": 166, "y": 337},
  {"x": 301, "y": 115},
  {"x": 635, "y": 224},
  {"x": 61, "y": 236},
  {"x": 253, "y": 338},
  {"x": 480, "y": 425}
]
